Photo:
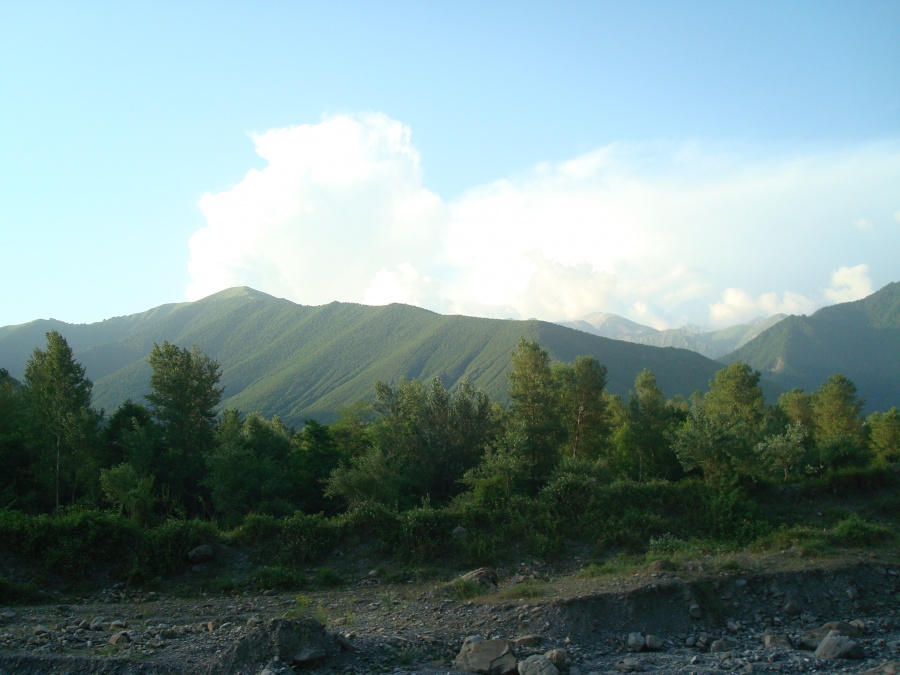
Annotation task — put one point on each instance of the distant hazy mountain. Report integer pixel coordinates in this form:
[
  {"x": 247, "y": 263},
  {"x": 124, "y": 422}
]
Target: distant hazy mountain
[
  {"x": 860, "y": 340},
  {"x": 712, "y": 344},
  {"x": 296, "y": 361}
]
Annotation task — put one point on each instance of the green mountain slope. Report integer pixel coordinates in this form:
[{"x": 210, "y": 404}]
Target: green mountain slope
[
  {"x": 297, "y": 361},
  {"x": 860, "y": 340}
]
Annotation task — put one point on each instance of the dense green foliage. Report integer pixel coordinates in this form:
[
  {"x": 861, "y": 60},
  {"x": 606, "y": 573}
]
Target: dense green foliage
[{"x": 563, "y": 462}]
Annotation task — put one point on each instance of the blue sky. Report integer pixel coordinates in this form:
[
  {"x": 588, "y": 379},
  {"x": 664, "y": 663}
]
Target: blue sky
[{"x": 700, "y": 162}]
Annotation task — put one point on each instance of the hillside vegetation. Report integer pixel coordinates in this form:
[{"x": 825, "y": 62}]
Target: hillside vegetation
[
  {"x": 300, "y": 362},
  {"x": 860, "y": 340}
]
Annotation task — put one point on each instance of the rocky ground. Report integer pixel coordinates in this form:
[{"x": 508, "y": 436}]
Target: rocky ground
[{"x": 774, "y": 614}]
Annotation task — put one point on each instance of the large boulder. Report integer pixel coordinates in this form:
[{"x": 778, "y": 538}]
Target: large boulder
[
  {"x": 489, "y": 657},
  {"x": 837, "y": 646},
  {"x": 300, "y": 642},
  {"x": 537, "y": 665},
  {"x": 484, "y": 577}
]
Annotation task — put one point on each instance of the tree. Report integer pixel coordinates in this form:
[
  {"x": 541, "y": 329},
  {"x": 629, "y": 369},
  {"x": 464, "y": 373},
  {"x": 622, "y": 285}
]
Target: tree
[
  {"x": 583, "y": 405},
  {"x": 645, "y": 434},
  {"x": 184, "y": 393},
  {"x": 534, "y": 408},
  {"x": 63, "y": 427},
  {"x": 724, "y": 425},
  {"x": 423, "y": 440},
  {"x": 884, "y": 431},
  {"x": 783, "y": 453},
  {"x": 838, "y": 429},
  {"x": 13, "y": 452}
]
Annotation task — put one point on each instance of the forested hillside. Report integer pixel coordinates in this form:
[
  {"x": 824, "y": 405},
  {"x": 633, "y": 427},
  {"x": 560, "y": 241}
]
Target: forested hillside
[
  {"x": 295, "y": 361},
  {"x": 860, "y": 340}
]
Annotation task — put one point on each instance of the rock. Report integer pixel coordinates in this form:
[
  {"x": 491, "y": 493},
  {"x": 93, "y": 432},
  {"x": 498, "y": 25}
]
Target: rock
[
  {"x": 201, "y": 554},
  {"x": 653, "y": 643},
  {"x": 483, "y": 576},
  {"x": 559, "y": 658},
  {"x": 772, "y": 640},
  {"x": 635, "y": 642},
  {"x": 719, "y": 646},
  {"x": 837, "y": 646},
  {"x": 810, "y": 639},
  {"x": 490, "y": 657},
  {"x": 662, "y": 565},
  {"x": 527, "y": 641},
  {"x": 537, "y": 665},
  {"x": 629, "y": 666},
  {"x": 98, "y": 623},
  {"x": 299, "y": 642},
  {"x": 120, "y": 638},
  {"x": 696, "y": 611}
]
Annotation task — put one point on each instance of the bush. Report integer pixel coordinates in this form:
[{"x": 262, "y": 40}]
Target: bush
[
  {"x": 854, "y": 531},
  {"x": 164, "y": 548},
  {"x": 70, "y": 543}
]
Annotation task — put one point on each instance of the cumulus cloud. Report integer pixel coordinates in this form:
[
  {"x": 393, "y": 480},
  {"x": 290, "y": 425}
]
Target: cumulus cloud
[
  {"x": 663, "y": 233},
  {"x": 338, "y": 202},
  {"x": 849, "y": 283}
]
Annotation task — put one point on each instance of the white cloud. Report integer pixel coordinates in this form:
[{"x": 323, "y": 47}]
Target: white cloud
[
  {"x": 338, "y": 202},
  {"x": 663, "y": 233},
  {"x": 737, "y": 306},
  {"x": 849, "y": 283}
]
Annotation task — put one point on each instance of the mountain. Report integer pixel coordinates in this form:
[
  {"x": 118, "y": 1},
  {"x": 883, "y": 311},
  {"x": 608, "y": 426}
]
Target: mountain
[
  {"x": 712, "y": 344},
  {"x": 859, "y": 339},
  {"x": 296, "y": 361}
]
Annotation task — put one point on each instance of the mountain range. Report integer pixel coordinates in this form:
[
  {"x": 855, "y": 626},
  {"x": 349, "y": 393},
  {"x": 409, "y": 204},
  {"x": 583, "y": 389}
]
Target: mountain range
[
  {"x": 299, "y": 362},
  {"x": 712, "y": 343}
]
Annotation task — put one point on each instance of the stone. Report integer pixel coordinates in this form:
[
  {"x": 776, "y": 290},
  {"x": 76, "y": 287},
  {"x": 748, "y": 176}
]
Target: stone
[
  {"x": 629, "y": 666},
  {"x": 120, "y": 638},
  {"x": 483, "y": 576},
  {"x": 719, "y": 646},
  {"x": 635, "y": 642},
  {"x": 653, "y": 643},
  {"x": 837, "y": 646},
  {"x": 98, "y": 623},
  {"x": 527, "y": 641},
  {"x": 773, "y": 640},
  {"x": 489, "y": 657},
  {"x": 537, "y": 664},
  {"x": 559, "y": 658},
  {"x": 696, "y": 611},
  {"x": 201, "y": 554},
  {"x": 299, "y": 642}
]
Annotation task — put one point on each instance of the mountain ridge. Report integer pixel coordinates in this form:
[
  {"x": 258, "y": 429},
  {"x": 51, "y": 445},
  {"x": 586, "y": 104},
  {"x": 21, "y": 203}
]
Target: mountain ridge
[{"x": 301, "y": 361}]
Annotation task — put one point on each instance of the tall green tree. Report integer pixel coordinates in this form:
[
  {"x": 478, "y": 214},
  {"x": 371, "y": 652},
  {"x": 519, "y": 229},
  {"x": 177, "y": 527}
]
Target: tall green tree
[
  {"x": 884, "y": 434},
  {"x": 14, "y": 483},
  {"x": 63, "y": 426},
  {"x": 534, "y": 408},
  {"x": 185, "y": 391},
  {"x": 838, "y": 426},
  {"x": 583, "y": 406},
  {"x": 644, "y": 437},
  {"x": 725, "y": 425}
]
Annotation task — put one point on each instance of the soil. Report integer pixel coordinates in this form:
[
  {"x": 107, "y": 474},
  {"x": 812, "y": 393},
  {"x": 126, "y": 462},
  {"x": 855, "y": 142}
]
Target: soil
[{"x": 372, "y": 624}]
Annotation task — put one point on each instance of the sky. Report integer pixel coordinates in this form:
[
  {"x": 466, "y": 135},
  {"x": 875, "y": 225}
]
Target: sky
[{"x": 670, "y": 162}]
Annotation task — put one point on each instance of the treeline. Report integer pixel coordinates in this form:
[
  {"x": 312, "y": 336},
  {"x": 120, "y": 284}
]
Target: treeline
[{"x": 415, "y": 445}]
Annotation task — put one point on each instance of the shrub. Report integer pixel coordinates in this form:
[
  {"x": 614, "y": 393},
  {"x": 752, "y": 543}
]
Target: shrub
[
  {"x": 164, "y": 548},
  {"x": 854, "y": 531}
]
